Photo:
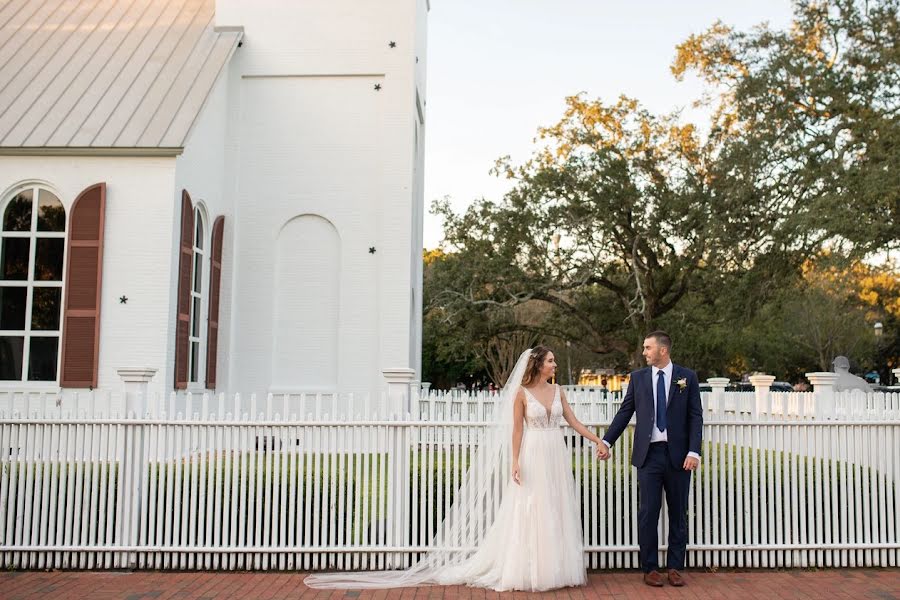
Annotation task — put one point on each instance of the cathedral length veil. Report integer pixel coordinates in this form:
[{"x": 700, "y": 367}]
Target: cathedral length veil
[{"x": 474, "y": 508}]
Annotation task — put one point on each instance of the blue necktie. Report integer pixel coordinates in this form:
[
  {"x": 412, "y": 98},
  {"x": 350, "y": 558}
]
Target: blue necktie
[{"x": 661, "y": 401}]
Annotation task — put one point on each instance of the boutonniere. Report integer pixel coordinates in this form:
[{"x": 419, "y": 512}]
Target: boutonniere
[{"x": 682, "y": 384}]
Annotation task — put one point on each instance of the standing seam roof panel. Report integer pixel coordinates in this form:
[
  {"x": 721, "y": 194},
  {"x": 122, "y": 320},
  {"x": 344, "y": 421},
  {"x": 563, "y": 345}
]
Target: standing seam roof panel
[
  {"x": 58, "y": 84},
  {"x": 134, "y": 104},
  {"x": 73, "y": 98},
  {"x": 180, "y": 86},
  {"x": 11, "y": 17},
  {"x": 104, "y": 73},
  {"x": 152, "y": 101},
  {"x": 126, "y": 74},
  {"x": 33, "y": 48}
]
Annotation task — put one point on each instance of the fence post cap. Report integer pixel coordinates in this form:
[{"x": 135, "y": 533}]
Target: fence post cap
[
  {"x": 822, "y": 378},
  {"x": 761, "y": 380},
  {"x": 136, "y": 374},
  {"x": 399, "y": 375}
]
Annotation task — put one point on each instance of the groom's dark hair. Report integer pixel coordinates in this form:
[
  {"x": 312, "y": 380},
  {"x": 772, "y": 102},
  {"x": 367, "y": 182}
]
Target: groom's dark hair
[{"x": 662, "y": 338}]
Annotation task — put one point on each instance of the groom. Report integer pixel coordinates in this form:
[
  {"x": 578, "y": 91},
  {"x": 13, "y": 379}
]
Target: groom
[{"x": 666, "y": 449}]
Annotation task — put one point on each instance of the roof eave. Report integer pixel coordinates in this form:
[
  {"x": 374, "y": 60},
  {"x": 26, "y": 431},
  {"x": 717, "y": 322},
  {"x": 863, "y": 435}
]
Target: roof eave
[
  {"x": 238, "y": 38},
  {"x": 88, "y": 151}
]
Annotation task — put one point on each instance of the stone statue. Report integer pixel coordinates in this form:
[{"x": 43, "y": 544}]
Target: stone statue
[{"x": 846, "y": 380}]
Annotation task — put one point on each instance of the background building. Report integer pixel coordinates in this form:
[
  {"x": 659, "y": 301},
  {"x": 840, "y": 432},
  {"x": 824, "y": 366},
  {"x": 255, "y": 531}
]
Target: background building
[{"x": 221, "y": 195}]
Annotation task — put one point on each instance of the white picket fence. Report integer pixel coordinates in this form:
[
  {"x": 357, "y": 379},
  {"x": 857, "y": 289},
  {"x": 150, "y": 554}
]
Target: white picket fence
[{"x": 221, "y": 486}]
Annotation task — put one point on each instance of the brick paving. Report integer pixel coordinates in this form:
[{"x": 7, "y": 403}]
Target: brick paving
[{"x": 855, "y": 584}]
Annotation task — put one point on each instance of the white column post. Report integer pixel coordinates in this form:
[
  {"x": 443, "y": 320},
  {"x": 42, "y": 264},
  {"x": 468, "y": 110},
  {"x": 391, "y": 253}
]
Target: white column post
[
  {"x": 399, "y": 400},
  {"x": 761, "y": 384},
  {"x": 398, "y": 385},
  {"x": 136, "y": 380},
  {"x": 717, "y": 397},
  {"x": 823, "y": 393}
]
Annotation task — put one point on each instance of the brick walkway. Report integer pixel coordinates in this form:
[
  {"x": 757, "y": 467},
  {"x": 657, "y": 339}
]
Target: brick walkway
[{"x": 856, "y": 584}]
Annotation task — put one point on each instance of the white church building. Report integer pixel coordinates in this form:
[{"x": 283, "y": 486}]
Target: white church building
[{"x": 211, "y": 195}]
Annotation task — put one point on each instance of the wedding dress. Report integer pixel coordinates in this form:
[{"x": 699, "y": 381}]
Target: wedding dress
[
  {"x": 532, "y": 541},
  {"x": 535, "y": 543}
]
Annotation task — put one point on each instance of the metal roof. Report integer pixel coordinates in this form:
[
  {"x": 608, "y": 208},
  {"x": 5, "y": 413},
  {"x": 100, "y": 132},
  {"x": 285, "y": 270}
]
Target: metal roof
[{"x": 106, "y": 74}]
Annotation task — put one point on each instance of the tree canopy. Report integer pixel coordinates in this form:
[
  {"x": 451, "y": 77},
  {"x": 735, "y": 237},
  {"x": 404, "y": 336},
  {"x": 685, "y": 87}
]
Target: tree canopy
[{"x": 623, "y": 221}]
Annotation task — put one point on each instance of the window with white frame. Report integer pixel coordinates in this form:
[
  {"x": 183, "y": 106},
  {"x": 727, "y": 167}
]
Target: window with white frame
[
  {"x": 32, "y": 252},
  {"x": 196, "y": 335}
]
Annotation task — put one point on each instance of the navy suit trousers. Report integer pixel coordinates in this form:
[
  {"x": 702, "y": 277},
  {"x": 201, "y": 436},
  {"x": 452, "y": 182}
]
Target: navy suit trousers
[{"x": 658, "y": 474}]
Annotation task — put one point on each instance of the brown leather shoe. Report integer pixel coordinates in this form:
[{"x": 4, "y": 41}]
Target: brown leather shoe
[
  {"x": 675, "y": 578},
  {"x": 653, "y": 578}
]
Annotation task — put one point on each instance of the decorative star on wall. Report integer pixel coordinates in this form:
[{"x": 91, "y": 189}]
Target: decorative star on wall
[
  {"x": 377, "y": 87},
  {"x": 123, "y": 299},
  {"x": 393, "y": 44},
  {"x": 371, "y": 249}
]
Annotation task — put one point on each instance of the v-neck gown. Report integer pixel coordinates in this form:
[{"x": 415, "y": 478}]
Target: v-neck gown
[{"x": 536, "y": 542}]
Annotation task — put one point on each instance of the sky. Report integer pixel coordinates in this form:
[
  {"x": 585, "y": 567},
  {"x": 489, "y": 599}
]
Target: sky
[{"x": 499, "y": 69}]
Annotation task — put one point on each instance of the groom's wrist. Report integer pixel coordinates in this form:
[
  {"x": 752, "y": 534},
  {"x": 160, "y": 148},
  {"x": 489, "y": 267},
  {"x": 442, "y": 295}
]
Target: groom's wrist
[{"x": 608, "y": 445}]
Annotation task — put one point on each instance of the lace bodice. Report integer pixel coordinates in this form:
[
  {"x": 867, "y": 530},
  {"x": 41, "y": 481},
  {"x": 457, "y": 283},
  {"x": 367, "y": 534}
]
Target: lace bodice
[{"x": 536, "y": 416}]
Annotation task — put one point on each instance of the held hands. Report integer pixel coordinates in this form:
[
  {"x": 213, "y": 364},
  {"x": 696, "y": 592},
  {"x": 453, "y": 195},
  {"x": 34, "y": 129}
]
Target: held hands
[
  {"x": 602, "y": 451},
  {"x": 691, "y": 463},
  {"x": 515, "y": 474}
]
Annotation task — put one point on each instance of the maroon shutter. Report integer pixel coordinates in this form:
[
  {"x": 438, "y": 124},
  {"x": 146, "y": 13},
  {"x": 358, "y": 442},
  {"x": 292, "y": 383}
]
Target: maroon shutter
[
  {"x": 185, "y": 264},
  {"x": 81, "y": 316},
  {"x": 215, "y": 276}
]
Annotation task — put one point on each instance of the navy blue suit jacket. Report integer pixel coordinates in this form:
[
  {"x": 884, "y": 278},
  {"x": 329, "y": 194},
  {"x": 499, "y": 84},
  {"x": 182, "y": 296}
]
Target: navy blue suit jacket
[{"x": 684, "y": 415}]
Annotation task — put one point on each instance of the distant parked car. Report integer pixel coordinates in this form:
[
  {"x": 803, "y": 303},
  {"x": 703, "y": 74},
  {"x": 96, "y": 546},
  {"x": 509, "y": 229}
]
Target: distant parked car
[
  {"x": 733, "y": 386},
  {"x": 743, "y": 386},
  {"x": 740, "y": 386},
  {"x": 886, "y": 388}
]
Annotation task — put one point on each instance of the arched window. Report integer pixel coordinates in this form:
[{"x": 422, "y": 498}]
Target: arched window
[
  {"x": 198, "y": 272},
  {"x": 196, "y": 335},
  {"x": 32, "y": 256}
]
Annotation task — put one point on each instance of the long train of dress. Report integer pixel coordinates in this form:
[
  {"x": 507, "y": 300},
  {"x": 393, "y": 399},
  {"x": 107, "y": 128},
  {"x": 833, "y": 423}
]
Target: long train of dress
[{"x": 534, "y": 542}]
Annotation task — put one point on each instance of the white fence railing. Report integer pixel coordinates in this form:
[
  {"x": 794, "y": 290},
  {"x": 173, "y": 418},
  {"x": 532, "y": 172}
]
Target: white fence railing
[
  {"x": 228, "y": 489},
  {"x": 603, "y": 405},
  {"x": 453, "y": 405}
]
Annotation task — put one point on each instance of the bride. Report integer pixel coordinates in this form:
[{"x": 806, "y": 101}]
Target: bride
[{"x": 532, "y": 541}]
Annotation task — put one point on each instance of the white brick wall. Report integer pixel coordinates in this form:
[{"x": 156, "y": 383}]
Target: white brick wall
[{"x": 311, "y": 135}]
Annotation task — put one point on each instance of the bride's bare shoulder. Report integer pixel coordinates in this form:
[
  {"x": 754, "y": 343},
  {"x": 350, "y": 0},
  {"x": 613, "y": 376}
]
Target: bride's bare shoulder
[{"x": 520, "y": 395}]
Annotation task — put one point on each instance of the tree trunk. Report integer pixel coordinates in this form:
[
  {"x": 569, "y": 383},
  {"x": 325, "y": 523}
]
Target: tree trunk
[{"x": 637, "y": 357}]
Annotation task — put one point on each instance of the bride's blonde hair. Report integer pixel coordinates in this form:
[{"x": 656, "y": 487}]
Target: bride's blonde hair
[{"x": 535, "y": 362}]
